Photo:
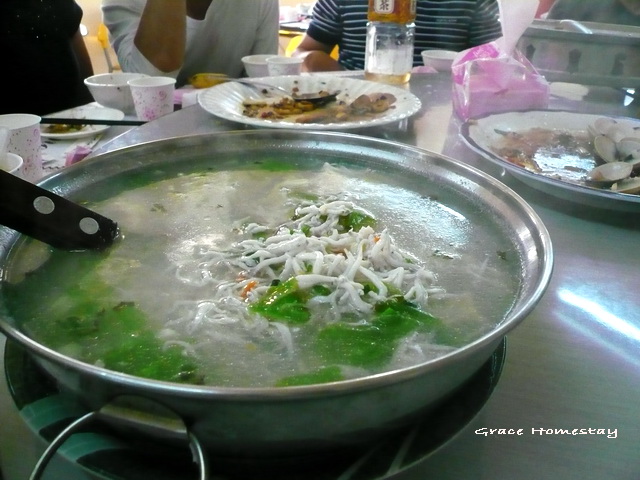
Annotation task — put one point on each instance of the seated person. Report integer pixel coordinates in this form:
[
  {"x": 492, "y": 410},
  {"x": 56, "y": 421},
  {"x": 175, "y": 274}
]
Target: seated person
[
  {"x": 180, "y": 38},
  {"x": 621, "y": 12},
  {"x": 43, "y": 49},
  {"x": 443, "y": 24}
]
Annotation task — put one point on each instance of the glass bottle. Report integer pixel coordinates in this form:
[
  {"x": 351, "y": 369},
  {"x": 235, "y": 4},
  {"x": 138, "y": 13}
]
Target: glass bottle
[{"x": 389, "y": 52}]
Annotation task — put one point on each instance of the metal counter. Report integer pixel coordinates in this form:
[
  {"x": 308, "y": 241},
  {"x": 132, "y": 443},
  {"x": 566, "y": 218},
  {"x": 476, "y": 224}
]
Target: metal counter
[{"x": 574, "y": 363}]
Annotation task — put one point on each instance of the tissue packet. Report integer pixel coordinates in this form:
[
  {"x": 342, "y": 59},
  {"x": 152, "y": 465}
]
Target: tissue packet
[{"x": 486, "y": 80}]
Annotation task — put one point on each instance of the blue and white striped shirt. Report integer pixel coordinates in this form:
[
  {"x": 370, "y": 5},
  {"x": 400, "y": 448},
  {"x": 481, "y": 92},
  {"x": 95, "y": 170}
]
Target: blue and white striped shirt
[{"x": 443, "y": 24}]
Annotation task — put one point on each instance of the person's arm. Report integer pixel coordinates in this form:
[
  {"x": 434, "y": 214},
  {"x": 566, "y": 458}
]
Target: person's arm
[
  {"x": 82, "y": 55},
  {"x": 122, "y": 18},
  {"x": 161, "y": 34},
  {"x": 316, "y": 55}
]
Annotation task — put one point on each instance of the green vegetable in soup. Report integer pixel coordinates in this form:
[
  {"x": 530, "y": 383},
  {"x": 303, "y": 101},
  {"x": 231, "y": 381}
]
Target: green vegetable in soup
[
  {"x": 275, "y": 165},
  {"x": 119, "y": 339},
  {"x": 284, "y": 302},
  {"x": 362, "y": 344},
  {"x": 398, "y": 318},
  {"x": 86, "y": 323},
  {"x": 373, "y": 344},
  {"x": 355, "y": 221}
]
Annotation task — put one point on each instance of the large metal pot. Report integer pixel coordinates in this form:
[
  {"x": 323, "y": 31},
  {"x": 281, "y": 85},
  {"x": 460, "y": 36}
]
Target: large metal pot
[
  {"x": 296, "y": 420},
  {"x": 588, "y": 53}
]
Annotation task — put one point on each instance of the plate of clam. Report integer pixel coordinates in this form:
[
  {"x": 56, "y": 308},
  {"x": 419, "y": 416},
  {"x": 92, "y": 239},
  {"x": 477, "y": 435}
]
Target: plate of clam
[{"x": 582, "y": 157}]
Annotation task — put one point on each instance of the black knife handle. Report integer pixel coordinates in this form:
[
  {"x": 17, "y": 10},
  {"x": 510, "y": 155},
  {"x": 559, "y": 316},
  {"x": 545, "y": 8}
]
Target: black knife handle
[{"x": 50, "y": 218}]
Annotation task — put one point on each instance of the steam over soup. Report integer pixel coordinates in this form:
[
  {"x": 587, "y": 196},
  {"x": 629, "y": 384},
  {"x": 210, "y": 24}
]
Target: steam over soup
[{"x": 269, "y": 275}]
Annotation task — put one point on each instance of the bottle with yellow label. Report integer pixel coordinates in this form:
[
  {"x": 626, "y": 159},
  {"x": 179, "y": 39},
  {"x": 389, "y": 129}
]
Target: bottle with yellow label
[
  {"x": 389, "y": 48},
  {"x": 397, "y": 11}
]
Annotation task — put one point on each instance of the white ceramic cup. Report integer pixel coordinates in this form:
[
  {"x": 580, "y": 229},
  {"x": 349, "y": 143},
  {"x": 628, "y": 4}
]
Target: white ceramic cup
[
  {"x": 25, "y": 141},
  {"x": 279, "y": 65},
  {"x": 11, "y": 163},
  {"x": 152, "y": 96},
  {"x": 256, "y": 65}
]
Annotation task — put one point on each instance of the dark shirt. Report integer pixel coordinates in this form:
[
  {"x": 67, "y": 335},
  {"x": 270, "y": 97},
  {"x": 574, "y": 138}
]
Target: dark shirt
[
  {"x": 602, "y": 11},
  {"x": 38, "y": 61},
  {"x": 442, "y": 24}
]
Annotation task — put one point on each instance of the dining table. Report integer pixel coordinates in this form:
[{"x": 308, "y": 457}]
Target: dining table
[{"x": 566, "y": 404}]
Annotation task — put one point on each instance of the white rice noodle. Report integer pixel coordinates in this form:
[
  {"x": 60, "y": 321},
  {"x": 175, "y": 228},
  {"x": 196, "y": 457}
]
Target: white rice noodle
[
  {"x": 342, "y": 262},
  {"x": 286, "y": 337}
]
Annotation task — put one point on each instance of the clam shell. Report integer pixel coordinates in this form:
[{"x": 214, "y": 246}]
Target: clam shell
[
  {"x": 610, "y": 173},
  {"x": 617, "y": 132},
  {"x": 605, "y": 148},
  {"x": 601, "y": 126},
  {"x": 635, "y": 164},
  {"x": 630, "y": 185},
  {"x": 629, "y": 148},
  {"x": 629, "y": 129}
]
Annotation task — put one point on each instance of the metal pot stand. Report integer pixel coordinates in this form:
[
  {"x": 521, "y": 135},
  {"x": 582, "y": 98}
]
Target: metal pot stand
[{"x": 58, "y": 418}]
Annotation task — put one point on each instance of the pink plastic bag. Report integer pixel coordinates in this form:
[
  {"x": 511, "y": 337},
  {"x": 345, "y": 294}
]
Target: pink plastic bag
[{"x": 486, "y": 80}]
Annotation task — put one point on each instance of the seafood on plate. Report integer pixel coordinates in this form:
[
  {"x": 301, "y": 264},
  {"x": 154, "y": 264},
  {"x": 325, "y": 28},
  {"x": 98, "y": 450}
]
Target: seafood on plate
[
  {"x": 302, "y": 111},
  {"x": 605, "y": 156}
]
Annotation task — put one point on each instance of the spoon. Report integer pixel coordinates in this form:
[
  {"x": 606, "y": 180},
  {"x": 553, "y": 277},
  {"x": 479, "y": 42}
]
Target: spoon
[
  {"x": 317, "y": 98},
  {"x": 50, "y": 218}
]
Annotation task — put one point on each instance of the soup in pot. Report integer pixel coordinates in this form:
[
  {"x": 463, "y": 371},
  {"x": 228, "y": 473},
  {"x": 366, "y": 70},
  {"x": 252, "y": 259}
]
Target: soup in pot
[{"x": 268, "y": 274}]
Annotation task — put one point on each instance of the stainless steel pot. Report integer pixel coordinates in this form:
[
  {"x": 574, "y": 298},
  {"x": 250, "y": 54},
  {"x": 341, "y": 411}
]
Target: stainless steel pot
[
  {"x": 296, "y": 420},
  {"x": 587, "y": 53}
]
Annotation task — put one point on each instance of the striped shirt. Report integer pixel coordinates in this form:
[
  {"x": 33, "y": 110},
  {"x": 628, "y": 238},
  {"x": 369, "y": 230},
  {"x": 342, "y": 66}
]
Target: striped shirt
[{"x": 442, "y": 24}]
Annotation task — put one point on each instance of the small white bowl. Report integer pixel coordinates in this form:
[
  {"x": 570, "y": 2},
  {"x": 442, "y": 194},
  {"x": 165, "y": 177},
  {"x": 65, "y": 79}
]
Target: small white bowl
[
  {"x": 256, "y": 65},
  {"x": 441, "y": 60},
  {"x": 111, "y": 90},
  {"x": 11, "y": 163}
]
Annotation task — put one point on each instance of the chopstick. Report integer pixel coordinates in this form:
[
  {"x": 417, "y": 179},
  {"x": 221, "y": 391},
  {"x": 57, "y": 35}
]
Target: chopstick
[{"x": 88, "y": 121}]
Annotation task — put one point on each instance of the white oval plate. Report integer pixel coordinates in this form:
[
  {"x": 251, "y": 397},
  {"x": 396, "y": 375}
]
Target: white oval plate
[
  {"x": 85, "y": 111},
  {"x": 225, "y": 100},
  {"x": 481, "y": 134}
]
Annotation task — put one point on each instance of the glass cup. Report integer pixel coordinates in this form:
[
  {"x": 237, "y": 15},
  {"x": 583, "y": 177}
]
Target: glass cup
[{"x": 152, "y": 96}]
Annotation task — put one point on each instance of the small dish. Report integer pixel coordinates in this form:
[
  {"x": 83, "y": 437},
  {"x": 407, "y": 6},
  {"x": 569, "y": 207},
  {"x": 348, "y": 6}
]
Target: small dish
[
  {"x": 256, "y": 65},
  {"x": 93, "y": 112},
  {"x": 441, "y": 60},
  {"x": 110, "y": 90},
  {"x": 10, "y": 162}
]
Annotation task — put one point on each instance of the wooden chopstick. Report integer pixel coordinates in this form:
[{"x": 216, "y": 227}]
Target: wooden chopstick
[{"x": 88, "y": 121}]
